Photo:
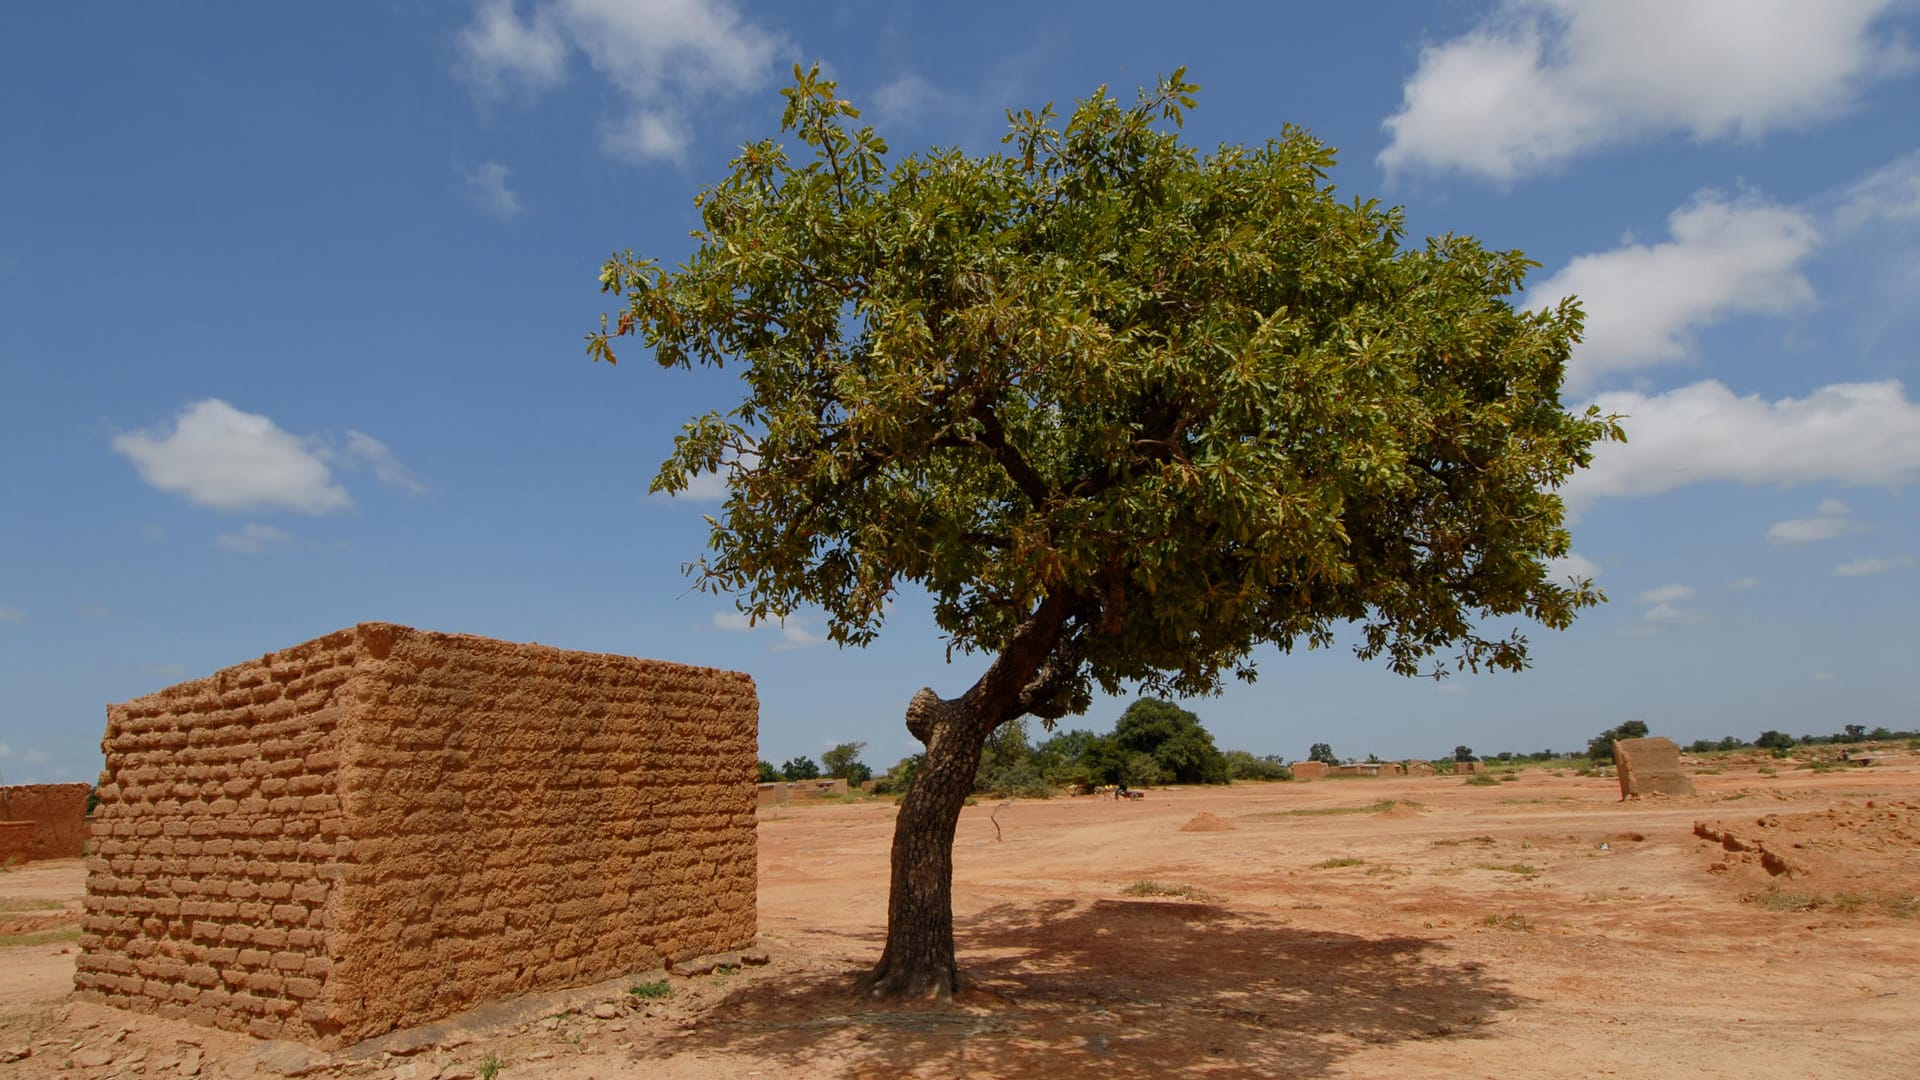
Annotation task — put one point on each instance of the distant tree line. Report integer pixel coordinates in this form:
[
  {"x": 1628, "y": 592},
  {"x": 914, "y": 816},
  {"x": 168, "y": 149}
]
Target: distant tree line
[{"x": 1158, "y": 742}]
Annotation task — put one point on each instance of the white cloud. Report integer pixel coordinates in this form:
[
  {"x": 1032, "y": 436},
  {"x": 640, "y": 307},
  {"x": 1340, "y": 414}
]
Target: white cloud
[
  {"x": 1742, "y": 584},
  {"x": 1829, "y": 521},
  {"x": 221, "y": 457},
  {"x": 1574, "y": 566},
  {"x": 11, "y": 614},
  {"x": 365, "y": 451},
  {"x": 498, "y": 49},
  {"x": 660, "y": 56},
  {"x": 1542, "y": 81},
  {"x": 486, "y": 187},
  {"x": 794, "y": 636},
  {"x": 1890, "y": 195},
  {"x": 28, "y": 756},
  {"x": 1863, "y": 567},
  {"x": 1861, "y": 434},
  {"x": 792, "y": 630},
  {"x": 645, "y": 135},
  {"x": 1666, "y": 594},
  {"x": 907, "y": 98},
  {"x": 252, "y": 539},
  {"x": 1725, "y": 257},
  {"x": 1665, "y": 607}
]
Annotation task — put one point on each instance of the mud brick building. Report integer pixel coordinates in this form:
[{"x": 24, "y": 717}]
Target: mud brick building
[
  {"x": 54, "y": 817},
  {"x": 384, "y": 826}
]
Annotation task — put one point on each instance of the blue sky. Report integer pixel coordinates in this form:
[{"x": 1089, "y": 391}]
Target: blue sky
[{"x": 292, "y": 297}]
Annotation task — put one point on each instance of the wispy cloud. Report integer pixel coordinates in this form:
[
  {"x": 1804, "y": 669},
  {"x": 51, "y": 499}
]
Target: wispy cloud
[
  {"x": 1665, "y": 606},
  {"x": 11, "y": 614},
  {"x": 662, "y": 57},
  {"x": 365, "y": 451},
  {"x": 1831, "y": 520},
  {"x": 28, "y": 756},
  {"x": 252, "y": 539},
  {"x": 486, "y": 187},
  {"x": 1541, "y": 82},
  {"x": 1572, "y": 567},
  {"x": 1864, "y": 567},
  {"x": 792, "y": 632}
]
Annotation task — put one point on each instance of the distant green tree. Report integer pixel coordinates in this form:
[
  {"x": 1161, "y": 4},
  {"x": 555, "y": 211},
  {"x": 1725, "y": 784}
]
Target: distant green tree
[
  {"x": 1008, "y": 765},
  {"x": 1242, "y": 765},
  {"x": 768, "y": 774},
  {"x": 1322, "y": 753},
  {"x": 800, "y": 768},
  {"x": 1463, "y": 753},
  {"x": 1855, "y": 732},
  {"x": 844, "y": 761},
  {"x": 897, "y": 780},
  {"x": 1774, "y": 740},
  {"x": 1600, "y": 747},
  {"x": 1174, "y": 738}
]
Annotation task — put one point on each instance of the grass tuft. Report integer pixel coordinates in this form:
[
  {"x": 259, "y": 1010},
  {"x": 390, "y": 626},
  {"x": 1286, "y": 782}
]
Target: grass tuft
[
  {"x": 1161, "y": 888},
  {"x": 659, "y": 988},
  {"x": 1523, "y": 869},
  {"x": 1335, "y": 864}
]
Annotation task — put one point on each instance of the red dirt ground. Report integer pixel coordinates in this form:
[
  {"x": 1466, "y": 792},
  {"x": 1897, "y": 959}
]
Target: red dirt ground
[{"x": 1535, "y": 928}]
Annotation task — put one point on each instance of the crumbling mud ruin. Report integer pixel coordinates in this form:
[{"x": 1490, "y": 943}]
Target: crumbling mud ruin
[{"x": 384, "y": 826}]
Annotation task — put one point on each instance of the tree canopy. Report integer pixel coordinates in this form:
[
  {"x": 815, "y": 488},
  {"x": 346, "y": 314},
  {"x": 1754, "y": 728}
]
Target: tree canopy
[
  {"x": 1196, "y": 399},
  {"x": 1174, "y": 738},
  {"x": 1125, "y": 410}
]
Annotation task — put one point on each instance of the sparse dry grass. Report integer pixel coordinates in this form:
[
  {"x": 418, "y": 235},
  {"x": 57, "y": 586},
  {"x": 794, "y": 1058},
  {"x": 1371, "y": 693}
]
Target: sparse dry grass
[{"x": 1160, "y": 888}]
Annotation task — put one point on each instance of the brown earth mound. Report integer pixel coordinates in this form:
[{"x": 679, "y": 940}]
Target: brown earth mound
[
  {"x": 1848, "y": 857},
  {"x": 1205, "y": 822}
]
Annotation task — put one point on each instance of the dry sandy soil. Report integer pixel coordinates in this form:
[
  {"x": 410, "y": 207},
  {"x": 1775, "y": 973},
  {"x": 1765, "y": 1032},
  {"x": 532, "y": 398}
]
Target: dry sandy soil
[{"x": 1408, "y": 927}]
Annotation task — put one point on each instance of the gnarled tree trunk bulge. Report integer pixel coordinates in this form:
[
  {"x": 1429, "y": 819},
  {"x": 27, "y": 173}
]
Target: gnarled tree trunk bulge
[{"x": 918, "y": 961}]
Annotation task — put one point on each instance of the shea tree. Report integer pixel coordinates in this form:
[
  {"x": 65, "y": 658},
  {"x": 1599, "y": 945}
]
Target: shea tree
[{"x": 1125, "y": 410}]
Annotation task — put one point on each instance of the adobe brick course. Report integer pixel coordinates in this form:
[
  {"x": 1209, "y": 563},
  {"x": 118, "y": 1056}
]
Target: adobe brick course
[
  {"x": 58, "y": 813},
  {"x": 385, "y": 826}
]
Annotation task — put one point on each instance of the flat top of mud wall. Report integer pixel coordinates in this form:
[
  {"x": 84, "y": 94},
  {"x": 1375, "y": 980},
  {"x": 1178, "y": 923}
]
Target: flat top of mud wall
[{"x": 385, "y": 826}]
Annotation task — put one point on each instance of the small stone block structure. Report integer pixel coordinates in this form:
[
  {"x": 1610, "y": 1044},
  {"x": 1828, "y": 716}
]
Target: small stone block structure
[
  {"x": 1418, "y": 768},
  {"x": 1309, "y": 770},
  {"x": 384, "y": 827},
  {"x": 57, "y": 812},
  {"x": 1649, "y": 767}
]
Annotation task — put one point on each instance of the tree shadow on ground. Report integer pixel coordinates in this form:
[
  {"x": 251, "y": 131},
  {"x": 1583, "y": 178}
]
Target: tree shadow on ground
[{"x": 1127, "y": 989}]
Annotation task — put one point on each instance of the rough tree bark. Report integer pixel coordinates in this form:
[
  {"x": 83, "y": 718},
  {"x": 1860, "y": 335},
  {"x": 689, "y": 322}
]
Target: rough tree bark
[{"x": 1026, "y": 678}]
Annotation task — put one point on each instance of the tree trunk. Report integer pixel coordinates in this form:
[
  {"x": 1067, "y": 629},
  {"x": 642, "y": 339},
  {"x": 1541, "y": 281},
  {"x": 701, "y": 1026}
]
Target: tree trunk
[
  {"x": 1025, "y": 678},
  {"x": 918, "y": 961}
]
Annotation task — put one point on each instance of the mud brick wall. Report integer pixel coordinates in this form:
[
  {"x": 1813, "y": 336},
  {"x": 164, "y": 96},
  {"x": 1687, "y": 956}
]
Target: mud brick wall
[
  {"x": 16, "y": 841},
  {"x": 219, "y": 845},
  {"x": 490, "y": 819},
  {"x": 58, "y": 813}
]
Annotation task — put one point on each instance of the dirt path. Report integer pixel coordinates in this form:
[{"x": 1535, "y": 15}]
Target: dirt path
[{"x": 1413, "y": 927}]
